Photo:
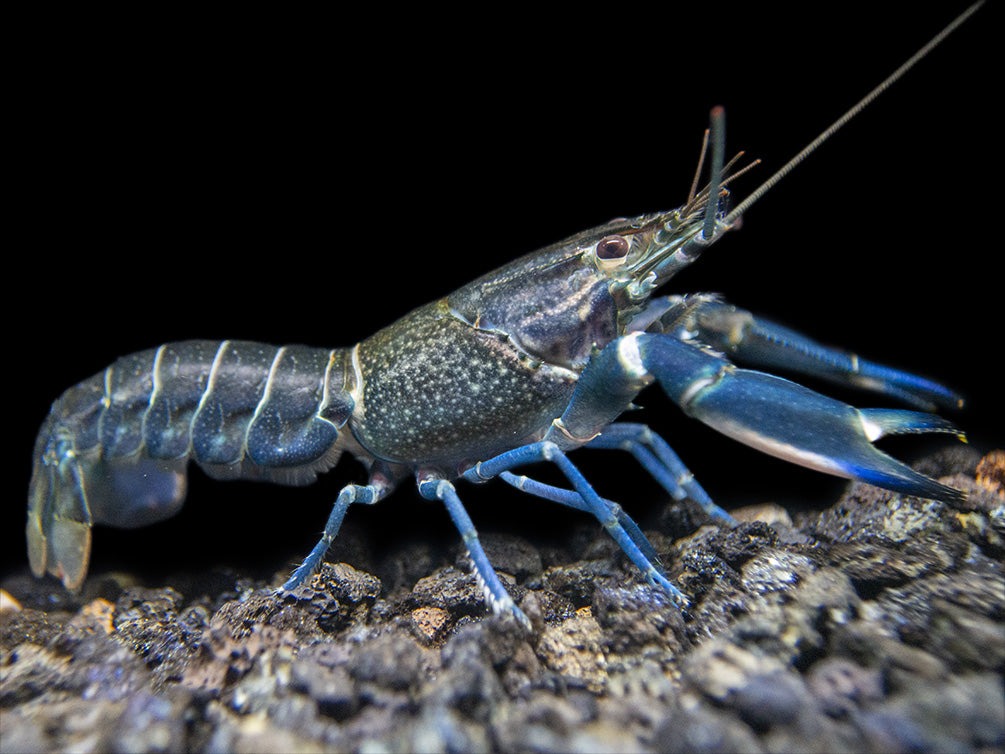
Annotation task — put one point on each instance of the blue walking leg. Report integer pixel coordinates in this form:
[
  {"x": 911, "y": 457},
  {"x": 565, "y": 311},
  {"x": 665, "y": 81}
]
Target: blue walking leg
[
  {"x": 572, "y": 499},
  {"x": 549, "y": 451},
  {"x": 352, "y": 493},
  {"x": 656, "y": 457},
  {"x": 612, "y": 379},
  {"x": 435, "y": 488}
]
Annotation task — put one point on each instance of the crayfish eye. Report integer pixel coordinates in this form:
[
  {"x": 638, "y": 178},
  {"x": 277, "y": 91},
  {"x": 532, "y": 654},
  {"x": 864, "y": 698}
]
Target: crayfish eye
[{"x": 612, "y": 247}]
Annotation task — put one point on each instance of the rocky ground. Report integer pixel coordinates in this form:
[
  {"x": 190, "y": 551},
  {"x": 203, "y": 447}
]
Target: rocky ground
[{"x": 874, "y": 625}]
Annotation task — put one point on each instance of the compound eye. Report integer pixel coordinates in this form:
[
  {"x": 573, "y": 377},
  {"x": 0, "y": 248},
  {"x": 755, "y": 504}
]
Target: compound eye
[{"x": 612, "y": 247}]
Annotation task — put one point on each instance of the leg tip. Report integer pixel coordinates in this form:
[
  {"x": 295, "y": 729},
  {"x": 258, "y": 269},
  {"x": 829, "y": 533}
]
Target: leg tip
[
  {"x": 507, "y": 608},
  {"x": 663, "y": 584}
]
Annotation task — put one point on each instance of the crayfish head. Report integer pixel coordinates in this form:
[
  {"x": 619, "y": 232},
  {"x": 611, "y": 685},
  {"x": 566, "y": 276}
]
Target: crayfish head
[
  {"x": 641, "y": 254},
  {"x": 562, "y": 303}
]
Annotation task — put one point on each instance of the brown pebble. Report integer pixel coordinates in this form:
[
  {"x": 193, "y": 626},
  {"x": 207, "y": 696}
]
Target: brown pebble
[
  {"x": 430, "y": 622},
  {"x": 991, "y": 472},
  {"x": 95, "y": 615}
]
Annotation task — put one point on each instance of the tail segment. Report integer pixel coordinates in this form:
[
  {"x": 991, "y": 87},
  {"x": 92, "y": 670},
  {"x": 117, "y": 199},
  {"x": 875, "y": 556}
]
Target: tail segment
[
  {"x": 70, "y": 490},
  {"x": 59, "y": 521}
]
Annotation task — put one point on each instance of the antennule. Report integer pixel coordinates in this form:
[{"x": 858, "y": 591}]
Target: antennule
[{"x": 697, "y": 172}]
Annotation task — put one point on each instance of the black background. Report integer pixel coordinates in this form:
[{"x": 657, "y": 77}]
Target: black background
[{"x": 310, "y": 180}]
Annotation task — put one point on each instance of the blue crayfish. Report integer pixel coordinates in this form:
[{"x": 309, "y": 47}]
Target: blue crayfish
[{"x": 523, "y": 365}]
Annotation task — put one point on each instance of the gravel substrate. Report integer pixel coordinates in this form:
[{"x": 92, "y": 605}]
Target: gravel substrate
[{"x": 874, "y": 625}]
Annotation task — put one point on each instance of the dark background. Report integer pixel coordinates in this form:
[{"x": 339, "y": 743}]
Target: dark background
[{"x": 310, "y": 180}]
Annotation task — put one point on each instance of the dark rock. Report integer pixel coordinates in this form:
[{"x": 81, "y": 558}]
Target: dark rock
[
  {"x": 840, "y": 686},
  {"x": 577, "y": 581},
  {"x": 747, "y": 540},
  {"x": 467, "y": 683},
  {"x": 699, "y": 729},
  {"x": 512, "y": 554},
  {"x": 636, "y": 617},
  {"x": 451, "y": 589},
  {"x": 31, "y": 627},
  {"x": 769, "y": 699},
  {"x": 390, "y": 660}
]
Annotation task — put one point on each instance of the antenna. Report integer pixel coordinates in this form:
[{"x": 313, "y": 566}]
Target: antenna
[{"x": 836, "y": 125}]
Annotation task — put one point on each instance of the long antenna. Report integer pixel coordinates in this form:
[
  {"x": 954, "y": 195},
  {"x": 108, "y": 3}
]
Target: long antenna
[{"x": 851, "y": 113}]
